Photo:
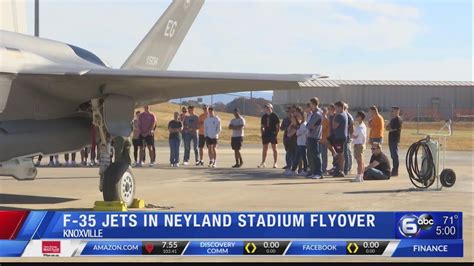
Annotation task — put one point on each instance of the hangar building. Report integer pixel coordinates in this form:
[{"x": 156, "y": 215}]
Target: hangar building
[{"x": 423, "y": 100}]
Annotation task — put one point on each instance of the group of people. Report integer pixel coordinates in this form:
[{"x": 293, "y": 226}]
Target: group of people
[
  {"x": 200, "y": 131},
  {"x": 309, "y": 135}
]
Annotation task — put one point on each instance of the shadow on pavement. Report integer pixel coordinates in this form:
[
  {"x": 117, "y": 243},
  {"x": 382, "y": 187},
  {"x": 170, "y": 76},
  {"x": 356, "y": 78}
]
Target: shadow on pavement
[
  {"x": 69, "y": 177},
  {"x": 5, "y": 208},
  {"x": 386, "y": 191},
  {"x": 27, "y": 199},
  {"x": 219, "y": 175},
  {"x": 242, "y": 174}
]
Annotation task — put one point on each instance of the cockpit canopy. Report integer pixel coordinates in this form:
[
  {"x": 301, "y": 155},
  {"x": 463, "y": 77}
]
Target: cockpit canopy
[{"x": 88, "y": 56}]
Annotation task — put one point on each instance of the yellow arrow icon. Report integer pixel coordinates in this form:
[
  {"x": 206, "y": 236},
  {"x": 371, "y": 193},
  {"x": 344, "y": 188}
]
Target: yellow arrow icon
[
  {"x": 250, "y": 251},
  {"x": 349, "y": 248},
  {"x": 356, "y": 248}
]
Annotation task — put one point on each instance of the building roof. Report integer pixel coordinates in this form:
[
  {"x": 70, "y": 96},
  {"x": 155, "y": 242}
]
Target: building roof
[{"x": 336, "y": 83}]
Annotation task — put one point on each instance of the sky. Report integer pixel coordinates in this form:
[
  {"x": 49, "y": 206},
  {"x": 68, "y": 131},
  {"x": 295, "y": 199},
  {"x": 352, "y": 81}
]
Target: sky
[{"x": 344, "y": 39}]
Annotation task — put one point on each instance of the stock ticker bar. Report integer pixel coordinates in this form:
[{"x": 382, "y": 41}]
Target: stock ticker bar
[{"x": 67, "y": 234}]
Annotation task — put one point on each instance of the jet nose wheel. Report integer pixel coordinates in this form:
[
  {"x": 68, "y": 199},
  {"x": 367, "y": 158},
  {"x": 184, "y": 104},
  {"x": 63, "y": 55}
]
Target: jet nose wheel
[{"x": 119, "y": 183}]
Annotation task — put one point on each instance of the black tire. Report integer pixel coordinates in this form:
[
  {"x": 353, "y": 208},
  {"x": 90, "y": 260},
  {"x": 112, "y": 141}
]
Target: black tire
[
  {"x": 447, "y": 177},
  {"x": 119, "y": 183}
]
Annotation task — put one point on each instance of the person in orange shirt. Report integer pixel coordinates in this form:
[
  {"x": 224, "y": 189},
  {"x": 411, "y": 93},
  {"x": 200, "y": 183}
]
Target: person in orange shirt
[
  {"x": 376, "y": 125},
  {"x": 202, "y": 138},
  {"x": 324, "y": 138}
]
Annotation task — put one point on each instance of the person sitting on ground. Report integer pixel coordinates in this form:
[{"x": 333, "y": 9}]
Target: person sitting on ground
[
  {"x": 359, "y": 136},
  {"x": 379, "y": 167},
  {"x": 237, "y": 126}
]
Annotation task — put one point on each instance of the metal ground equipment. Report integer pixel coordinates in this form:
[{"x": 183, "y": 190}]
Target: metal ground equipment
[{"x": 426, "y": 157}]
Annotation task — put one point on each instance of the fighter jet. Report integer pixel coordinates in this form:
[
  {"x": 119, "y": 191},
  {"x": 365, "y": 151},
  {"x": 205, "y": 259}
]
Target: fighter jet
[{"x": 45, "y": 84}]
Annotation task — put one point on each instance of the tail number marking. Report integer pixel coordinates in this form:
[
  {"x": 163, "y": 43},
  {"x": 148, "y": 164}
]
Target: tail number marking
[{"x": 171, "y": 28}]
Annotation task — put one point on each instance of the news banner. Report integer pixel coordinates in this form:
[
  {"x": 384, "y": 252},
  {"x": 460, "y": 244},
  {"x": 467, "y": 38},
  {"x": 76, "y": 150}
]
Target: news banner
[{"x": 69, "y": 234}]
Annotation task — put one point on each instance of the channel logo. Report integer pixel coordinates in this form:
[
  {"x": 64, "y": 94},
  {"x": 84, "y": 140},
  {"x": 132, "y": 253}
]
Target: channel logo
[
  {"x": 51, "y": 247},
  {"x": 411, "y": 225}
]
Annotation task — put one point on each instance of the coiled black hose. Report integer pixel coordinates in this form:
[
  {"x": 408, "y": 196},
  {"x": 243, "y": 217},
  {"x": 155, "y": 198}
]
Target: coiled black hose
[{"x": 421, "y": 175}]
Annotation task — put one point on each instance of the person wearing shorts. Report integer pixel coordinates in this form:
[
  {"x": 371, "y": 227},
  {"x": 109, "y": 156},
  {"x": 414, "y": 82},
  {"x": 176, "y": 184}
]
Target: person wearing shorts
[
  {"x": 201, "y": 137},
  {"x": 212, "y": 128},
  {"x": 237, "y": 126},
  {"x": 147, "y": 121},
  {"x": 270, "y": 126},
  {"x": 359, "y": 136},
  {"x": 190, "y": 134},
  {"x": 339, "y": 125}
]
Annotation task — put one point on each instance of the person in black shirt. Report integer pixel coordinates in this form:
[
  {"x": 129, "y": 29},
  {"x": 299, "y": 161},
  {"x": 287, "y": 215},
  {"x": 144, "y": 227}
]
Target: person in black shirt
[
  {"x": 394, "y": 128},
  {"x": 175, "y": 127},
  {"x": 379, "y": 167},
  {"x": 270, "y": 126}
]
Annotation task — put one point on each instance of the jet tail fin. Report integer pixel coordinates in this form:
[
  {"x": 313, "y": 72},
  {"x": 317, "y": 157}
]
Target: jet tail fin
[{"x": 159, "y": 46}]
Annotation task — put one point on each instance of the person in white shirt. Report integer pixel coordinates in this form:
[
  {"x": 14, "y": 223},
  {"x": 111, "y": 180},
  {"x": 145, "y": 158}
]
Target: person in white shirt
[
  {"x": 237, "y": 125},
  {"x": 301, "y": 136},
  {"x": 359, "y": 136},
  {"x": 212, "y": 128}
]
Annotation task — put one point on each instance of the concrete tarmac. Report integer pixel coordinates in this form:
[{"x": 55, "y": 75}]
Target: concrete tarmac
[{"x": 191, "y": 188}]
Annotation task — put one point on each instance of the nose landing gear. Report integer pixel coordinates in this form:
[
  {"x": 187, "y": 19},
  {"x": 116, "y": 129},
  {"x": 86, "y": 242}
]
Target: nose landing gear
[{"x": 117, "y": 182}]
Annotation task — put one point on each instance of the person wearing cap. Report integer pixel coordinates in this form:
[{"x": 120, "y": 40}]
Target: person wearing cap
[
  {"x": 269, "y": 128},
  {"x": 359, "y": 136},
  {"x": 237, "y": 126},
  {"x": 201, "y": 137},
  {"x": 394, "y": 128},
  {"x": 212, "y": 128},
  {"x": 190, "y": 134}
]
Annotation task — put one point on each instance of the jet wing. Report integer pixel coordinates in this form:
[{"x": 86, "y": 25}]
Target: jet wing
[{"x": 151, "y": 86}]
